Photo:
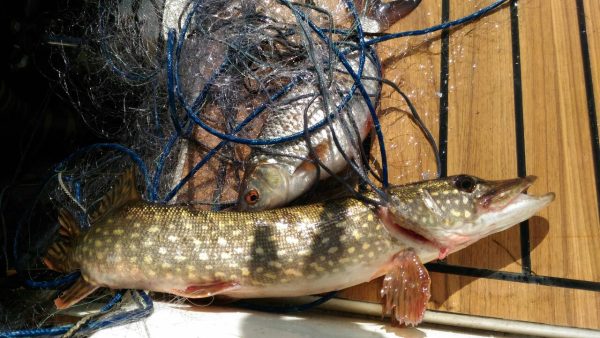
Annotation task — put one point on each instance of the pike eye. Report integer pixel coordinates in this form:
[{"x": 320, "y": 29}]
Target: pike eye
[
  {"x": 465, "y": 183},
  {"x": 252, "y": 197}
]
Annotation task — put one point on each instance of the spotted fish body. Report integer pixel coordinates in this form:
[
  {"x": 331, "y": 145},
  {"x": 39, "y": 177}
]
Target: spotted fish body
[
  {"x": 290, "y": 251},
  {"x": 284, "y": 252}
]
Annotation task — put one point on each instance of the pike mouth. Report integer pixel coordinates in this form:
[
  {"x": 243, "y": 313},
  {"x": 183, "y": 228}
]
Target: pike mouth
[{"x": 503, "y": 193}]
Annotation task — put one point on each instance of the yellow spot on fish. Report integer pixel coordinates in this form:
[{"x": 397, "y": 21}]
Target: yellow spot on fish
[
  {"x": 236, "y": 232},
  {"x": 219, "y": 274},
  {"x": 275, "y": 264},
  {"x": 208, "y": 267},
  {"x": 165, "y": 265},
  {"x": 333, "y": 249},
  {"x": 188, "y": 226},
  {"x": 351, "y": 249},
  {"x": 151, "y": 273},
  {"x": 356, "y": 234},
  {"x": 259, "y": 250},
  {"x": 148, "y": 243},
  {"x": 291, "y": 240},
  {"x": 325, "y": 240},
  {"x": 162, "y": 250},
  {"x": 147, "y": 259},
  {"x": 245, "y": 272},
  {"x": 133, "y": 259},
  {"x": 196, "y": 242},
  {"x": 455, "y": 213},
  {"x": 370, "y": 217},
  {"x": 225, "y": 255},
  {"x": 180, "y": 258},
  {"x": 270, "y": 275},
  {"x": 467, "y": 213},
  {"x": 97, "y": 243},
  {"x": 191, "y": 268},
  {"x": 222, "y": 241},
  {"x": 203, "y": 256},
  {"x": 293, "y": 272},
  {"x": 136, "y": 225},
  {"x": 259, "y": 269},
  {"x": 172, "y": 238},
  {"x": 153, "y": 229},
  {"x": 234, "y": 277},
  {"x": 118, "y": 231},
  {"x": 365, "y": 225},
  {"x": 99, "y": 255},
  {"x": 371, "y": 254},
  {"x": 365, "y": 246},
  {"x": 322, "y": 258},
  {"x": 435, "y": 193}
]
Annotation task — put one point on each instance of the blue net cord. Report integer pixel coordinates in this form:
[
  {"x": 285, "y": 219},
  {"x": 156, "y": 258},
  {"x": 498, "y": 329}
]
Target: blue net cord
[{"x": 146, "y": 307}]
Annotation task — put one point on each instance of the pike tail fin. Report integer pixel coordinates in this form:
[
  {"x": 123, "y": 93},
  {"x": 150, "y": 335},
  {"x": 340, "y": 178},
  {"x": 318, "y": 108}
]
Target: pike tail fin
[{"x": 57, "y": 256}]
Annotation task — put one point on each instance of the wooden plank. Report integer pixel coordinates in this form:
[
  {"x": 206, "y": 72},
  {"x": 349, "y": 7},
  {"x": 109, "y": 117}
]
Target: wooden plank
[
  {"x": 481, "y": 123},
  {"x": 592, "y": 15},
  {"x": 558, "y": 143},
  {"x": 516, "y": 301},
  {"x": 482, "y": 141}
]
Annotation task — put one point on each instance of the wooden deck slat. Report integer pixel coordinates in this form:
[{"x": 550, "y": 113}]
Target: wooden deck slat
[
  {"x": 481, "y": 123},
  {"x": 592, "y": 13},
  {"x": 559, "y": 147},
  {"x": 516, "y": 301}
]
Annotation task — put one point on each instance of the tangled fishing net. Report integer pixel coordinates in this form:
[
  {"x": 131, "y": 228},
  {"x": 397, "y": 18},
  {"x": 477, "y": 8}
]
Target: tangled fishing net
[{"x": 184, "y": 91}]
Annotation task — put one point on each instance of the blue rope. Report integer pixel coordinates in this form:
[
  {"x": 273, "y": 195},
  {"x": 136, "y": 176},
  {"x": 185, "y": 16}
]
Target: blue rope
[
  {"x": 471, "y": 17},
  {"x": 51, "y": 284},
  {"x": 145, "y": 310}
]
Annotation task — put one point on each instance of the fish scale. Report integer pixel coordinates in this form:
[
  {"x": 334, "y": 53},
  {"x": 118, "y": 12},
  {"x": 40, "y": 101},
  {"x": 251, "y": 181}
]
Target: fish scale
[{"x": 278, "y": 247}]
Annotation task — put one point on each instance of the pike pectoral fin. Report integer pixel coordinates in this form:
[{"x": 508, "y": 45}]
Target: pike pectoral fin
[
  {"x": 405, "y": 289},
  {"x": 79, "y": 290},
  {"x": 206, "y": 290}
]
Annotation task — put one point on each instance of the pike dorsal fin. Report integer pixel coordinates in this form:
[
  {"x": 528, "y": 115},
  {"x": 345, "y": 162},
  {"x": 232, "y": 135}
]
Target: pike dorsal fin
[{"x": 122, "y": 192}]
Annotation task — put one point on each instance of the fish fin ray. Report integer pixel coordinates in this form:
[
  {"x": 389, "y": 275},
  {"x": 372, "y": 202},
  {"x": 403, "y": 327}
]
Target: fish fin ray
[
  {"x": 57, "y": 255},
  {"x": 79, "y": 290},
  {"x": 122, "y": 192},
  {"x": 206, "y": 290},
  {"x": 405, "y": 290}
]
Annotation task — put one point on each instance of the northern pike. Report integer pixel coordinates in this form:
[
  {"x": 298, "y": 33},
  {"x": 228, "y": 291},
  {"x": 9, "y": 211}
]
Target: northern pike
[
  {"x": 291, "y": 251},
  {"x": 277, "y": 174}
]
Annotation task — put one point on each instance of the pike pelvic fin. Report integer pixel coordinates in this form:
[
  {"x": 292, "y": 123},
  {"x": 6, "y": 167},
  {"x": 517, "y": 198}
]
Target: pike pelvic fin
[
  {"x": 206, "y": 290},
  {"x": 79, "y": 290},
  {"x": 405, "y": 289},
  {"x": 57, "y": 256},
  {"x": 122, "y": 192}
]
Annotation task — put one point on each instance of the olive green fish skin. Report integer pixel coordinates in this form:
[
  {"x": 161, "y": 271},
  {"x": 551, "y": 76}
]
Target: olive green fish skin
[
  {"x": 165, "y": 247},
  {"x": 296, "y": 250}
]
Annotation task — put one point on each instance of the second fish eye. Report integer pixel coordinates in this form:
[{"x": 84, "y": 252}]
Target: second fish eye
[{"x": 252, "y": 197}]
